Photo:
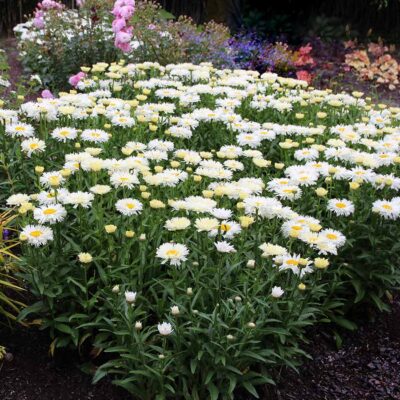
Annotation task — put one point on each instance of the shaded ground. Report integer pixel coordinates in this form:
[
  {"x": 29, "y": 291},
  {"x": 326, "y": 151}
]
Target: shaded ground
[
  {"x": 366, "y": 368},
  {"x": 16, "y": 71},
  {"x": 33, "y": 375}
]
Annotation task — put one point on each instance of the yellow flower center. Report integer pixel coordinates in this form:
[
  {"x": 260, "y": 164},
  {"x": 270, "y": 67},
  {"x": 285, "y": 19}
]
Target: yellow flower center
[
  {"x": 292, "y": 262},
  {"x": 131, "y": 206},
  {"x": 20, "y": 128},
  {"x": 387, "y": 207},
  {"x": 340, "y": 205},
  {"x": 36, "y": 234},
  {"x": 331, "y": 236},
  {"x": 49, "y": 211},
  {"x": 172, "y": 253},
  {"x": 225, "y": 227}
]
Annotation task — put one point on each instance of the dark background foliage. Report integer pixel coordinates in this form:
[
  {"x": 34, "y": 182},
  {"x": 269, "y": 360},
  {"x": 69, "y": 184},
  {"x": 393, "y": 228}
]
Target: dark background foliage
[{"x": 290, "y": 19}]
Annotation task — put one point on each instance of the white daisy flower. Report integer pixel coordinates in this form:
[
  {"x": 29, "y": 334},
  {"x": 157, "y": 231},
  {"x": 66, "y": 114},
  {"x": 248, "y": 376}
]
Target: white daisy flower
[
  {"x": 37, "y": 235},
  {"x": 50, "y": 214},
  {"x": 64, "y": 134},
  {"x": 124, "y": 179},
  {"x": 224, "y": 247},
  {"x": 94, "y": 135},
  {"x": 177, "y": 224},
  {"x": 83, "y": 199},
  {"x": 165, "y": 328},
  {"x": 332, "y": 236},
  {"x": 174, "y": 253},
  {"x": 386, "y": 209},
  {"x": 277, "y": 292},
  {"x": 18, "y": 199},
  {"x": 20, "y": 130},
  {"x": 129, "y": 207},
  {"x": 341, "y": 207},
  {"x": 33, "y": 145},
  {"x": 221, "y": 213},
  {"x": 228, "y": 229}
]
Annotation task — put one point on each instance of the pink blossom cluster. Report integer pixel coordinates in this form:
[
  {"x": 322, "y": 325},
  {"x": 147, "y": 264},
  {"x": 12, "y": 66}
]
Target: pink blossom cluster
[
  {"x": 75, "y": 79},
  {"x": 41, "y": 8},
  {"x": 123, "y": 10}
]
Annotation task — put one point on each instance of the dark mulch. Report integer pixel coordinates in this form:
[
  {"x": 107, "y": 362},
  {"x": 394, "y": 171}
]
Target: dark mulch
[
  {"x": 367, "y": 367},
  {"x": 34, "y": 375}
]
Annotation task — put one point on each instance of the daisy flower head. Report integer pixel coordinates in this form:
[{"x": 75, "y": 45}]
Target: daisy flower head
[
  {"x": 33, "y": 145},
  {"x": 20, "y": 130},
  {"x": 18, "y": 199},
  {"x": 174, "y": 253},
  {"x": 124, "y": 179},
  {"x": 85, "y": 258},
  {"x": 206, "y": 224},
  {"x": 83, "y": 199},
  {"x": 50, "y": 214},
  {"x": 177, "y": 224},
  {"x": 94, "y": 135},
  {"x": 36, "y": 235},
  {"x": 221, "y": 213},
  {"x": 277, "y": 292},
  {"x": 228, "y": 229},
  {"x": 386, "y": 209},
  {"x": 100, "y": 189},
  {"x": 341, "y": 207},
  {"x": 165, "y": 328},
  {"x": 334, "y": 237},
  {"x": 123, "y": 121},
  {"x": 64, "y": 134},
  {"x": 52, "y": 179},
  {"x": 129, "y": 207},
  {"x": 270, "y": 249},
  {"x": 224, "y": 247},
  {"x": 130, "y": 297}
]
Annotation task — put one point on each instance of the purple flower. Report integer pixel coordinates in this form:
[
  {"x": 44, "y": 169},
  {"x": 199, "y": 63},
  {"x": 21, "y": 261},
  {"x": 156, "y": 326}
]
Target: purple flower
[{"x": 46, "y": 94}]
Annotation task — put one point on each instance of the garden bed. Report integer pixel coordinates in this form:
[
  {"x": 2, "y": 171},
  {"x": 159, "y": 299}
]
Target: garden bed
[{"x": 366, "y": 367}]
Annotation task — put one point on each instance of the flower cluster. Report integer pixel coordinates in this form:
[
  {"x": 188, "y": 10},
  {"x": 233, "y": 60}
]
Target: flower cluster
[
  {"x": 42, "y": 8},
  {"x": 195, "y": 220},
  {"x": 374, "y": 64},
  {"x": 123, "y": 11}
]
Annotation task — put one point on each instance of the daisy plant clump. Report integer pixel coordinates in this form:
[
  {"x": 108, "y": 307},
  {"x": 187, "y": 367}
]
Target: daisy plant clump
[{"x": 191, "y": 222}]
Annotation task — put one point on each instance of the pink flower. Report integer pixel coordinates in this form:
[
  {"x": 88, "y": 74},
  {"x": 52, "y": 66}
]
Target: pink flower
[
  {"x": 118, "y": 24},
  {"x": 38, "y": 22},
  {"x": 75, "y": 79},
  {"x": 304, "y": 76},
  {"x": 123, "y": 10},
  {"x": 123, "y": 36},
  {"x": 46, "y": 94},
  {"x": 126, "y": 12},
  {"x": 80, "y": 3},
  {"x": 125, "y": 47}
]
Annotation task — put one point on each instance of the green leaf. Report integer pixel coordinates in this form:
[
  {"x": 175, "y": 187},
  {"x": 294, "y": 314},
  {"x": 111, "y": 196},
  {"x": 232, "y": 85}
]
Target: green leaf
[
  {"x": 214, "y": 392},
  {"x": 251, "y": 389}
]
